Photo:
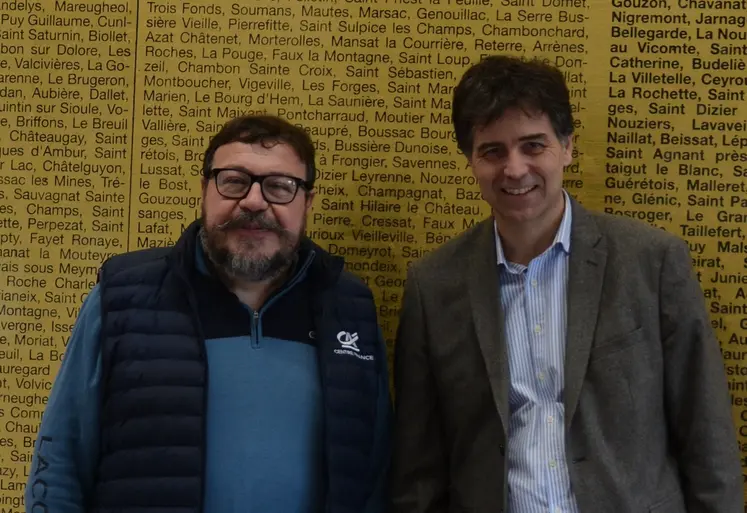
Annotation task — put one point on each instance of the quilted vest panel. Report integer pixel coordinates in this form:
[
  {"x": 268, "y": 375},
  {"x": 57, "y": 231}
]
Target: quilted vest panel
[{"x": 153, "y": 404}]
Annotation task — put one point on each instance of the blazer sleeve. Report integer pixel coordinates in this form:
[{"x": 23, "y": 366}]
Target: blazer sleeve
[
  {"x": 696, "y": 395},
  {"x": 419, "y": 465}
]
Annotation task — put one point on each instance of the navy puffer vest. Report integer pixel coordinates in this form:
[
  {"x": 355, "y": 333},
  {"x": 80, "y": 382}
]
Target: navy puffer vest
[{"x": 155, "y": 376}]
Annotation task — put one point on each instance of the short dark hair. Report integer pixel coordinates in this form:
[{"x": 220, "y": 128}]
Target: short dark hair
[
  {"x": 500, "y": 82},
  {"x": 267, "y": 130}
]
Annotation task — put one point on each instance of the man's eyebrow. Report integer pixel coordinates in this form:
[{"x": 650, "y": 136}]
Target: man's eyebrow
[
  {"x": 253, "y": 173},
  {"x": 495, "y": 144},
  {"x": 236, "y": 167},
  {"x": 533, "y": 137},
  {"x": 487, "y": 145}
]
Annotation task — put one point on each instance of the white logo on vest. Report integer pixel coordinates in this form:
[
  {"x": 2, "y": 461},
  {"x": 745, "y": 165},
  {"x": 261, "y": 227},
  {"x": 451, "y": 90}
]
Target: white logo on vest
[{"x": 348, "y": 341}]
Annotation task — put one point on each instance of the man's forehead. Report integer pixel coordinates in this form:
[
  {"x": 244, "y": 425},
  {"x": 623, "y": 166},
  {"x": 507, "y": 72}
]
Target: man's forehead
[
  {"x": 257, "y": 148},
  {"x": 519, "y": 117},
  {"x": 280, "y": 152}
]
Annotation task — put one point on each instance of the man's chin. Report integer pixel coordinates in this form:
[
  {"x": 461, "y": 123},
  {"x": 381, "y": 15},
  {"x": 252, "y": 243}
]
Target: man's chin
[
  {"x": 538, "y": 213},
  {"x": 255, "y": 251},
  {"x": 517, "y": 215},
  {"x": 241, "y": 240}
]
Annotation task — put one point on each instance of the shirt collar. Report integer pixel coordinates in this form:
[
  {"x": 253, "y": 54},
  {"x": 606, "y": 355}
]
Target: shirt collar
[{"x": 562, "y": 236}]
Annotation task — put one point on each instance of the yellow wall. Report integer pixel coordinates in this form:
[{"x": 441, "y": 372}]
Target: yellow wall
[{"x": 106, "y": 107}]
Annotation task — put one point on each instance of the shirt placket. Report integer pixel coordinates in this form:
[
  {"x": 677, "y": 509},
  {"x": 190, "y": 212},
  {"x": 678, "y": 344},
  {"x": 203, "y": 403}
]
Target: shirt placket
[{"x": 537, "y": 312}]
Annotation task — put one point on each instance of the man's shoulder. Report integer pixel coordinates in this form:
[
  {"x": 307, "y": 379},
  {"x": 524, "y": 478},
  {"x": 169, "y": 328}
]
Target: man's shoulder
[
  {"x": 453, "y": 252},
  {"x": 329, "y": 272},
  {"x": 352, "y": 285},
  {"x": 632, "y": 234},
  {"x": 137, "y": 259}
]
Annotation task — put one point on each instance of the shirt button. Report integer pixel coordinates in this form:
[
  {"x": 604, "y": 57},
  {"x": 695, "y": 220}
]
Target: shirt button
[
  {"x": 541, "y": 376},
  {"x": 537, "y": 328},
  {"x": 534, "y": 283},
  {"x": 550, "y": 419},
  {"x": 553, "y": 464}
]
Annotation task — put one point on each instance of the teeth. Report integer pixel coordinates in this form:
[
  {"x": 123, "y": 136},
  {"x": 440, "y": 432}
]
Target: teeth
[{"x": 517, "y": 192}]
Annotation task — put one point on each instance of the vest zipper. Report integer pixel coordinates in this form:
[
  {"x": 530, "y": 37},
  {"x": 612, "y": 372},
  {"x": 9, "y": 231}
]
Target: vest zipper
[
  {"x": 255, "y": 329},
  {"x": 290, "y": 285}
]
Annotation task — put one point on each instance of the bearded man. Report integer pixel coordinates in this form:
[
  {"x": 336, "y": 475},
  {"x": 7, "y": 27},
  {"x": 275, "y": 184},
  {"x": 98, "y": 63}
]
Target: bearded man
[{"x": 240, "y": 370}]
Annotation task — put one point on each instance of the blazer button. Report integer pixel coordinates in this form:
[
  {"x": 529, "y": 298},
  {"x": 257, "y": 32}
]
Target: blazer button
[{"x": 503, "y": 451}]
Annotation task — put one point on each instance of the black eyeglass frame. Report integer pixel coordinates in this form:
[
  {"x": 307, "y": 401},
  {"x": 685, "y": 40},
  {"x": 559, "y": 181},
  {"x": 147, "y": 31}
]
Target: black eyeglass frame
[{"x": 300, "y": 184}]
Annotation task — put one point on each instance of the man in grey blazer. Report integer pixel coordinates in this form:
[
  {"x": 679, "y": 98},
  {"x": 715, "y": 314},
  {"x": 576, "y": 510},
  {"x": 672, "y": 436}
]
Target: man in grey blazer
[{"x": 552, "y": 359}]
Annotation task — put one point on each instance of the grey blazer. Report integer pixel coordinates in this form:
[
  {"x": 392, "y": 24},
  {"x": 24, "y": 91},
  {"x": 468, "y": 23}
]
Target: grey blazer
[{"x": 648, "y": 417}]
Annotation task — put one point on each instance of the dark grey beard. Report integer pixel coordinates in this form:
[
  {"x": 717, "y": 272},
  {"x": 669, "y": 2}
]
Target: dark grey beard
[{"x": 239, "y": 267}]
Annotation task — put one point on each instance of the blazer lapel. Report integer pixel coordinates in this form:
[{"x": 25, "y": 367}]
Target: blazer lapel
[
  {"x": 586, "y": 267},
  {"x": 483, "y": 290}
]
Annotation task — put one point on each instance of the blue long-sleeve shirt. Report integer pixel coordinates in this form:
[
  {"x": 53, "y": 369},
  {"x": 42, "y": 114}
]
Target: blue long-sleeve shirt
[
  {"x": 533, "y": 299},
  {"x": 264, "y": 423}
]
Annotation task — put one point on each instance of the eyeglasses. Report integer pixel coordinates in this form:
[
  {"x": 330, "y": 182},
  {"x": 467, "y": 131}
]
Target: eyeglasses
[{"x": 277, "y": 189}]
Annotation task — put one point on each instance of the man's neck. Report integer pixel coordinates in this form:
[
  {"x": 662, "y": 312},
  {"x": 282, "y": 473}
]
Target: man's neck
[{"x": 522, "y": 243}]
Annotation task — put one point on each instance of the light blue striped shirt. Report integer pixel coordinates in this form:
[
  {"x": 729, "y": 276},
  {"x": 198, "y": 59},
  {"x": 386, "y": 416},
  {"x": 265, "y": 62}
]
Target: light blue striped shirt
[{"x": 533, "y": 299}]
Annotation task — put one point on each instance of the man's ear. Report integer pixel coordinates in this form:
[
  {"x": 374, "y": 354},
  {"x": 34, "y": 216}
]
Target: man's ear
[
  {"x": 470, "y": 163},
  {"x": 310, "y": 195},
  {"x": 567, "y": 144},
  {"x": 204, "y": 184}
]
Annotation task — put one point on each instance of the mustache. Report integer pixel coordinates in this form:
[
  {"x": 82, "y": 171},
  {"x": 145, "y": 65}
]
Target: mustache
[{"x": 252, "y": 220}]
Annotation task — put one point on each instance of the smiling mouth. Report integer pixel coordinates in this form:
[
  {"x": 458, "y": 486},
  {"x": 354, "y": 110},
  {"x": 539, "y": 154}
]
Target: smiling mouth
[
  {"x": 518, "y": 192},
  {"x": 252, "y": 229}
]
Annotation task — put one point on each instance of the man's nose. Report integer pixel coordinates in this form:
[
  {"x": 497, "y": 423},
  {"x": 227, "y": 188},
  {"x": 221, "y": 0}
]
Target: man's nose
[
  {"x": 516, "y": 167},
  {"x": 254, "y": 200}
]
